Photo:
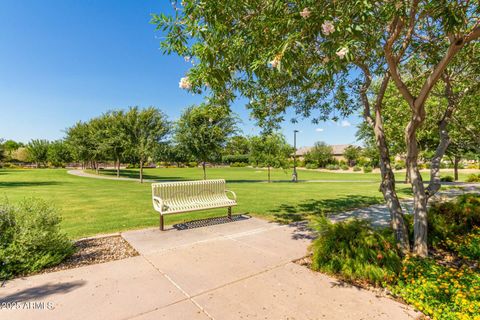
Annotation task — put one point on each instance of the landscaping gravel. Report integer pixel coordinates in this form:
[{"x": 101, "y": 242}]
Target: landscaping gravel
[{"x": 96, "y": 250}]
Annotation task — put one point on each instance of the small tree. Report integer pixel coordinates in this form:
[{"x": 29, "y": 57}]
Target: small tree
[
  {"x": 175, "y": 153},
  {"x": 144, "y": 130},
  {"x": 21, "y": 155},
  {"x": 10, "y": 146},
  {"x": 38, "y": 151},
  {"x": 116, "y": 142},
  {"x": 237, "y": 145},
  {"x": 204, "y": 131},
  {"x": 352, "y": 154},
  {"x": 59, "y": 153},
  {"x": 321, "y": 154},
  {"x": 271, "y": 150},
  {"x": 79, "y": 139}
]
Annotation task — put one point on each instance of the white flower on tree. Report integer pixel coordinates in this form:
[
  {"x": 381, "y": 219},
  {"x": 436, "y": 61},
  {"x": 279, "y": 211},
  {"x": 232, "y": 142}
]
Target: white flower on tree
[
  {"x": 305, "y": 13},
  {"x": 276, "y": 61},
  {"x": 342, "y": 52},
  {"x": 328, "y": 27},
  {"x": 185, "y": 83}
]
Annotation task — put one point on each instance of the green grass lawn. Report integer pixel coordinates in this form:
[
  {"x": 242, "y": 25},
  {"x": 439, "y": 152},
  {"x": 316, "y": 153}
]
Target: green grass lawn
[{"x": 93, "y": 206}]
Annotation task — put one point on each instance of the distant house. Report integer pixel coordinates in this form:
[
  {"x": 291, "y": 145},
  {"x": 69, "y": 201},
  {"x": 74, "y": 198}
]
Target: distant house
[{"x": 338, "y": 151}]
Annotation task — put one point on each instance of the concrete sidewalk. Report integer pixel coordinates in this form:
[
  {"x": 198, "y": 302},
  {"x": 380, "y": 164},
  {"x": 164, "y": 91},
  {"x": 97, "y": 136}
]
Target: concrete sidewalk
[{"x": 237, "y": 270}]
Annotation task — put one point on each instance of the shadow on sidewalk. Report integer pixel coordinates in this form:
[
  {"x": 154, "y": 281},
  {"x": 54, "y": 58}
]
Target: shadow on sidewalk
[
  {"x": 210, "y": 222},
  {"x": 42, "y": 291}
]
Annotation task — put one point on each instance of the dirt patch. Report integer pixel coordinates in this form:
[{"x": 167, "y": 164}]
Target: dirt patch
[{"x": 95, "y": 250}]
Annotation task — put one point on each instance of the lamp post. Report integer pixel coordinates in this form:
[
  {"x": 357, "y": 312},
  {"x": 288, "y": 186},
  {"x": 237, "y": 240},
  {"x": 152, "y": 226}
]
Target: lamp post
[{"x": 295, "y": 175}]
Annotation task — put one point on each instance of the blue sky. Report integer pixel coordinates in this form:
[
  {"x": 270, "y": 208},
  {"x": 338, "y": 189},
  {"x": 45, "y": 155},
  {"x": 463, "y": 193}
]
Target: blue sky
[{"x": 67, "y": 60}]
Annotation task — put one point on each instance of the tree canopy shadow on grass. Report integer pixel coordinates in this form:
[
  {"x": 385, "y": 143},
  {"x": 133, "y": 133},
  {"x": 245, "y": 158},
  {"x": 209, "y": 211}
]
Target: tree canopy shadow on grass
[
  {"x": 42, "y": 291},
  {"x": 311, "y": 208},
  {"x": 14, "y": 184},
  {"x": 134, "y": 174},
  {"x": 7, "y": 171}
]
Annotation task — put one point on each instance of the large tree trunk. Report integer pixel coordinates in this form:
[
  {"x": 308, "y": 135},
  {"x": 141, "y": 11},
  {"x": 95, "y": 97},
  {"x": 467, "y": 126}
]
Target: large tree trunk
[
  {"x": 445, "y": 140},
  {"x": 420, "y": 199},
  {"x": 204, "y": 171},
  {"x": 141, "y": 170},
  {"x": 388, "y": 187}
]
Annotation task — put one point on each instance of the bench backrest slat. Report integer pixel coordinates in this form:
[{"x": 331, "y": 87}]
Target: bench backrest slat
[{"x": 177, "y": 193}]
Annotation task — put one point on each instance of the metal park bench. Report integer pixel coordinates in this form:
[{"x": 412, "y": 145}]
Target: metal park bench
[{"x": 186, "y": 196}]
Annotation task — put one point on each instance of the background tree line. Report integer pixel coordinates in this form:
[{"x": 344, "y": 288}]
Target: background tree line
[{"x": 204, "y": 134}]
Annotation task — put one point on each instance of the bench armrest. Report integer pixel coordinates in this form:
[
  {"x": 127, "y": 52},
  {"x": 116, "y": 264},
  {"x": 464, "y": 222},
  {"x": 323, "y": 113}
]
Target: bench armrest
[
  {"x": 233, "y": 194},
  {"x": 158, "y": 204}
]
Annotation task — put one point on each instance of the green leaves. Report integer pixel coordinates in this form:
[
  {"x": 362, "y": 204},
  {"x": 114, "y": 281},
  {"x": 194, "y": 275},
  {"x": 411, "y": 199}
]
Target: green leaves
[{"x": 204, "y": 130}]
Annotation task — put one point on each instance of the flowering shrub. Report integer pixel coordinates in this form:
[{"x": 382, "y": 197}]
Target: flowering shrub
[
  {"x": 467, "y": 246},
  {"x": 355, "y": 251},
  {"x": 447, "y": 220},
  {"x": 439, "y": 292}
]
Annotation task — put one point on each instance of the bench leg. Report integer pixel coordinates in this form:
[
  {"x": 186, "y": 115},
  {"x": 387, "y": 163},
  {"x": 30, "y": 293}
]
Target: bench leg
[
  {"x": 230, "y": 213},
  {"x": 161, "y": 222}
]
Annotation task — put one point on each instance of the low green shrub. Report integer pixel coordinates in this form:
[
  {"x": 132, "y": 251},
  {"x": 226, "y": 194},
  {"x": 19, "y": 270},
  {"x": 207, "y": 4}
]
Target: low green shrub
[
  {"x": 367, "y": 169},
  {"x": 311, "y": 166},
  {"x": 30, "y": 238},
  {"x": 192, "y": 164},
  {"x": 473, "y": 166},
  {"x": 473, "y": 178},
  {"x": 356, "y": 251},
  {"x": 238, "y": 164},
  {"x": 8, "y": 165},
  {"x": 399, "y": 165},
  {"x": 447, "y": 179},
  {"x": 345, "y": 167},
  {"x": 332, "y": 167},
  {"x": 357, "y": 168},
  {"x": 232, "y": 158}
]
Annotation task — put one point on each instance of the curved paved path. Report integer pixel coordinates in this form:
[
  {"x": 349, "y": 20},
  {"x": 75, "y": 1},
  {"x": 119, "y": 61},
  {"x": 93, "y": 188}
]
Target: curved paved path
[{"x": 82, "y": 173}]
